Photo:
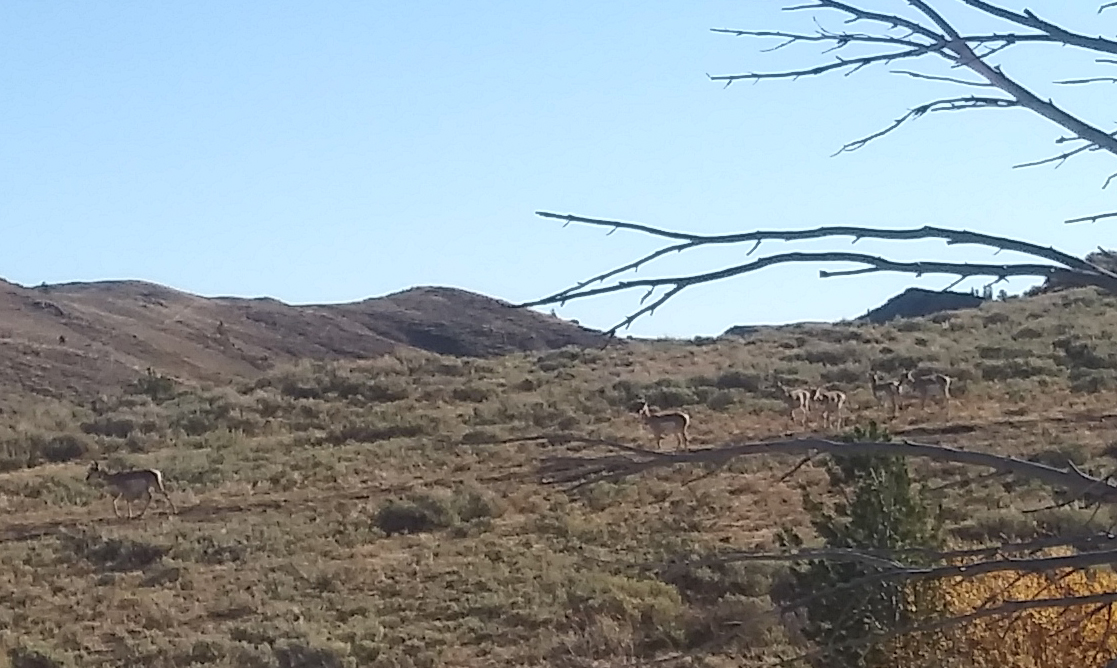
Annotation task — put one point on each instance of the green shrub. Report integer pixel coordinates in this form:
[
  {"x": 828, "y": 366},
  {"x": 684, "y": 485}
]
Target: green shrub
[
  {"x": 878, "y": 509},
  {"x": 1002, "y": 352},
  {"x": 844, "y": 375},
  {"x": 671, "y": 397},
  {"x": 721, "y": 400},
  {"x": 478, "y": 436},
  {"x": 471, "y": 393},
  {"x": 33, "y": 449},
  {"x": 1078, "y": 354},
  {"x": 1027, "y": 333},
  {"x": 109, "y": 425},
  {"x": 113, "y": 554},
  {"x": 828, "y": 355},
  {"x": 299, "y": 654},
  {"x": 423, "y": 512},
  {"x": 1016, "y": 368},
  {"x": 1089, "y": 381},
  {"x": 157, "y": 387},
  {"x": 403, "y": 426},
  {"x": 739, "y": 380},
  {"x": 24, "y": 656},
  {"x": 896, "y": 363},
  {"x": 419, "y": 513}
]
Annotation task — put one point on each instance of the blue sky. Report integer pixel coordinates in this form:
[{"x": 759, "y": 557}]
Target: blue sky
[{"x": 328, "y": 152}]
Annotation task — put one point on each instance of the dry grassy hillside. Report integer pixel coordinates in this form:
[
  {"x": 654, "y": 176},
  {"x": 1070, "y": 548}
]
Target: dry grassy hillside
[
  {"x": 363, "y": 513},
  {"x": 82, "y": 339}
]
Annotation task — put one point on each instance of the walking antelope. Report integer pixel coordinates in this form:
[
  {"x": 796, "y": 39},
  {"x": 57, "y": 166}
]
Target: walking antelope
[
  {"x": 131, "y": 486},
  {"x": 886, "y": 390},
  {"x": 832, "y": 403},
  {"x": 796, "y": 400},
  {"x": 927, "y": 384},
  {"x": 663, "y": 423}
]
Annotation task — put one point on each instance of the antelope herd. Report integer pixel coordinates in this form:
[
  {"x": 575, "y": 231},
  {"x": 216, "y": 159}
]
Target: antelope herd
[
  {"x": 801, "y": 402},
  {"x": 830, "y": 404}
]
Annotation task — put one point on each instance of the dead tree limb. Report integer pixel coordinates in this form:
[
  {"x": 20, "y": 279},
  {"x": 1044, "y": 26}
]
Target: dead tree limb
[
  {"x": 580, "y": 471},
  {"x": 889, "y": 37},
  {"x": 937, "y": 36},
  {"x": 1068, "y": 269}
]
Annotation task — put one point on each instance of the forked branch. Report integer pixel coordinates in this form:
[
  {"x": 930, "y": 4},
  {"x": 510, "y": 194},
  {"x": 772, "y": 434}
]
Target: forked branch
[
  {"x": 934, "y": 35},
  {"x": 1060, "y": 266},
  {"x": 579, "y": 471}
]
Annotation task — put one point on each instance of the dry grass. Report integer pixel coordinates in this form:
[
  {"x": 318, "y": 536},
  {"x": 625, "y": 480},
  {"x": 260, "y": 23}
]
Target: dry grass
[{"x": 358, "y": 514}]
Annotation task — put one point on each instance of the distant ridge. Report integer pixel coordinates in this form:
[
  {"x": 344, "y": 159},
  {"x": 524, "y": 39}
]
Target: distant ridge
[
  {"x": 917, "y": 302},
  {"x": 85, "y": 338}
]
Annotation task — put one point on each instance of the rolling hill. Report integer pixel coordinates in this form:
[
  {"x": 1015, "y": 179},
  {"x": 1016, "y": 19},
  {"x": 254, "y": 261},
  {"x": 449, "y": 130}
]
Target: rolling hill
[
  {"x": 389, "y": 511},
  {"x": 83, "y": 338}
]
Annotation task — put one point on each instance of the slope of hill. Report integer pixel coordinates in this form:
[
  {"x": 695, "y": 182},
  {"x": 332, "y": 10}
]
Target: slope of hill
[
  {"x": 85, "y": 337},
  {"x": 917, "y": 302},
  {"x": 371, "y": 512}
]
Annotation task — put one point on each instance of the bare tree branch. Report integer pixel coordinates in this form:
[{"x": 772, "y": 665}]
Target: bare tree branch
[
  {"x": 677, "y": 284},
  {"x": 951, "y": 237},
  {"x": 1088, "y": 80},
  {"x": 951, "y": 104},
  {"x": 892, "y": 557},
  {"x": 929, "y": 77},
  {"x": 950, "y": 44},
  {"x": 841, "y": 39},
  {"x": 1029, "y": 20},
  {"x": 1065, "y": 267},
  {"x": 579, "y": 471},
  {"x": 1060, "y": 159},
  {"x": 858, "y": 14},
  {"x": 853, "y": 63},
  {"x": 1092, "y": 219}
]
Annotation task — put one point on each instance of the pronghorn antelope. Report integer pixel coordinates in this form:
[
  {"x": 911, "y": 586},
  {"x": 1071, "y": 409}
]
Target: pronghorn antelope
[
  {"x": 832, "y": 402},
  {"x": 796, "y": 400},
  {"x": 886, "y": 390},
  {"x": 131, "y": 486},
  {"x": 927, "y": 384},
  {"x": 666, "y": 422}
]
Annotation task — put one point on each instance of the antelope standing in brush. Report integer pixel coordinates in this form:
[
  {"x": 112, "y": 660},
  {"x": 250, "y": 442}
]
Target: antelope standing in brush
[
  {"x": 796, "y": 400},
  {"x": 666, "y": 422},
  {"x": 928, "y": 384},
  {"x": 886, "y": 391},
  {"x": 832, "y": 402},
  {"x": 131, "y": 486}
]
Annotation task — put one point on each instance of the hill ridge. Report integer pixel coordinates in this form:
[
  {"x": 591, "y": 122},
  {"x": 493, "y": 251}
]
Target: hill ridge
[{"x": 84, "y": 337}]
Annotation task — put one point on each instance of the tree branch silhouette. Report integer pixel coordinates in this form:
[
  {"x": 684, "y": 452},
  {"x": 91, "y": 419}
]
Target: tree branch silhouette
[
  {"x": 1062, "y": 266},
  {"x": 927, "y": 32}
]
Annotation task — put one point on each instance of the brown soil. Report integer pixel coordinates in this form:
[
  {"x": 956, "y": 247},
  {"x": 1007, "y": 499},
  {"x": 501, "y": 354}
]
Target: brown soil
[{"x": 87, "y": 338}]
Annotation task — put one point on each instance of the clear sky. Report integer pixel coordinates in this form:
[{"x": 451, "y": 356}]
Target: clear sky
[{"x": 332, "y": 151}]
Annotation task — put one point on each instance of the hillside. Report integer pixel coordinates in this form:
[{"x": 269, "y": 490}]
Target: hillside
[
  {"x": 82, "y": 338},
  {"x": 370, "y": 513},
  {"x": 918, "y": 302}
]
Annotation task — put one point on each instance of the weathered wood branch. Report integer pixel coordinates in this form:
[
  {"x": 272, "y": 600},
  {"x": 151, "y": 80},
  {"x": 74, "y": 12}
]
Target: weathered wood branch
[
  {"x": 1028, "y": 19},
  {"x": 1066, "y": 268},
  {"x": 579, "y": 471},
  {"x": 677, "y": 284},
  {"x": 943, "y": 39},
  {"x": 950, "y": 236},
  {"x": 951, "y": 104}
]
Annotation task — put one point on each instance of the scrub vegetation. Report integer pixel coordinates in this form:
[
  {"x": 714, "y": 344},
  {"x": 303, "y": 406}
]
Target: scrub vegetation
[{"x": 387, "y": 512}]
